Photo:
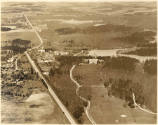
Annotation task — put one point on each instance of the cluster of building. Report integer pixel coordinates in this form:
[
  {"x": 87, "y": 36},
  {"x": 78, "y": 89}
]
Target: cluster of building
[{"x": 12, "y": 79}]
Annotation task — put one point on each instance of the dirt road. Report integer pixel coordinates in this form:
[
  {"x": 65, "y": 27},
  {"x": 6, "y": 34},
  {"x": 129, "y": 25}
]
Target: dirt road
[
  {"x": 51, "y": 91},
  {"x": 84, "y": 99}
]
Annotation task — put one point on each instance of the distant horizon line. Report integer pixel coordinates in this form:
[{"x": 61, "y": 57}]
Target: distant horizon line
[{"x": 75, "y": 1}]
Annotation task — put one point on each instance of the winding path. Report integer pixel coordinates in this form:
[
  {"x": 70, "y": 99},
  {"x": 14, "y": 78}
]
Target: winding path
[
  {"x": 84, "y": 99},
  {"x": 145, "y": 110}
]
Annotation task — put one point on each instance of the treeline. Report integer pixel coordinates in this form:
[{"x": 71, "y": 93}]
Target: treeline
[
  {"x": 17, "y": 45},
  {"x": 123, "y": 89},
  {"x": 150, "y": 67},
  {"x": 120, "y": 63}
]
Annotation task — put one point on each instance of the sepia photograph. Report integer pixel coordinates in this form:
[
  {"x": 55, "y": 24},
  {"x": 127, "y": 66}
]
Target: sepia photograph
[{"x": 78, "y": 62}]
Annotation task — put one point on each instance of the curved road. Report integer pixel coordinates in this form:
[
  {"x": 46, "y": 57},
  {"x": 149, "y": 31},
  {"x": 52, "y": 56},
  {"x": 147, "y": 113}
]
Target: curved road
[
  {"x": 145, "y": 110},
  {"x": 84, "y": 99}
]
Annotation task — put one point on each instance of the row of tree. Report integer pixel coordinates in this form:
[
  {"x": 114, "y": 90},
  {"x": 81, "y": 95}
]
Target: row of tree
[{"x": 18, "y": 46}]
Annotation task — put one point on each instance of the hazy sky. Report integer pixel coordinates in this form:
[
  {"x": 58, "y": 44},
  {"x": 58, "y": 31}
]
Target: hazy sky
[{"x": 74, "y": 0}]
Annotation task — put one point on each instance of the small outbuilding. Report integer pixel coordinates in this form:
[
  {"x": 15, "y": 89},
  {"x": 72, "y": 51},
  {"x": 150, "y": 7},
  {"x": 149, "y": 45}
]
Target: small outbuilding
[{"x": 93, "y": 61}]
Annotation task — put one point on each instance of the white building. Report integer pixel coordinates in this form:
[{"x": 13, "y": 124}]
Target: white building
[
  {"x": 93, "y": 61},
  {"x": 41, "y": 50}
]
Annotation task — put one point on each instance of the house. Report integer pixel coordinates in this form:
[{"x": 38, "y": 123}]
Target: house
[
  {"x": 57, "y": 53},
  {"x": 41, "y": 50}
]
